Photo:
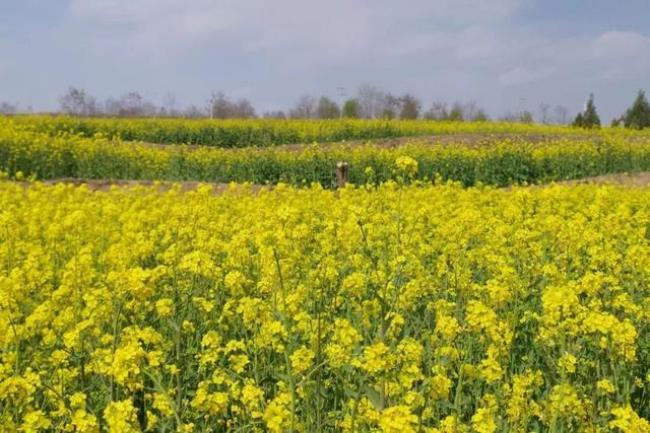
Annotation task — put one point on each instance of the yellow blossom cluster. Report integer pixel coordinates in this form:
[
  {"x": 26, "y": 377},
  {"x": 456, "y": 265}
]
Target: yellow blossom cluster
[
  {"x": 390, "y": 309},
  {"x": 271, "y": 132}
]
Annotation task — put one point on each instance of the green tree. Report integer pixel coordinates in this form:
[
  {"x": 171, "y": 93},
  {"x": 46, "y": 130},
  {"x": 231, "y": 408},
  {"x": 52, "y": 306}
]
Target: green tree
[
  {"x": 327, "y": 109},
  {"x": 456, "y": 114},
  {"x": 579, "y": 121},
  {"x": 351, "y": 109},
  {"x": 589, "y": 117},
  {"x": 525, "y": 117},
  {"x": 638, "y": 116}
]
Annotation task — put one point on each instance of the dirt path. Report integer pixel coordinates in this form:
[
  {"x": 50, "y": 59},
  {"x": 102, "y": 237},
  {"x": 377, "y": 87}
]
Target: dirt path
[
  {"x": 471, "y": 140},
  {"x": 632, "y": 180},
  {"x": 625, "y": 179},
  {"x": 106, "y": 185}
]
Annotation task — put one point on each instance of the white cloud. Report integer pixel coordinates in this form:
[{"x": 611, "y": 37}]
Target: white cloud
[
  {"x": 616, "y": 44},
  {"x": 521, "y": 75},
  {"x": 337, "y": 30}
]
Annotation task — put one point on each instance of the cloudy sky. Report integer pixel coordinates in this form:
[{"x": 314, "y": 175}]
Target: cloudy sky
[{"x": 506, "y": 55}]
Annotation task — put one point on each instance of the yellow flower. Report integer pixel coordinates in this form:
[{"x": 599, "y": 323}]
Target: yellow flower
[
  {"x": 407, "y": 165},
  {"x": 35, "y": 421},
  {"x": 628, "y": 421},
  {"x": 440, "y": 387},
  {"x": 567, "y": 363},
  {"x": 398, "y": 419},
  {"x": 301, "y": 360},
  {"x": 605, "y": 386},
  {"x": 376, "y": 359},
  {"x": 163, "y": 404},
  {"x": 277, "y": 415},
  {"x": 120, "y": 417}
]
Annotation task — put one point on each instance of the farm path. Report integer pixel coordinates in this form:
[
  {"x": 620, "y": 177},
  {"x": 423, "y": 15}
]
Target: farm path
[{"x": 641, "y": 179}]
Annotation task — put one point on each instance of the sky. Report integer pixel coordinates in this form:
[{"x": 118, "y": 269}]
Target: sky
[{"x": 506, "y": 55}]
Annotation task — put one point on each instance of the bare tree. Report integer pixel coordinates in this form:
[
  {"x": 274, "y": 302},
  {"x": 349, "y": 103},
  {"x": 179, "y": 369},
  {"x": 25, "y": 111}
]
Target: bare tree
[
  {"x": 244, "y": 109},
  {"x": 470, "y": 111},
  {"x": 305, "y": 108},
  {"x": 221, "y": 107},
  {"x": 194, "y": 112},
  {"x": 523, "y": 116},
  {"x": 561, "y": 115},
  {"x": 112, "y": 107},
  {"x": 274, "y": 114},
  {"x": 78, "y": 103},
  {"x": 544, "y": 113},
  {"x": 438, "y": 111},
  {"x": 7, "y": 108},
  {"x": 132, "y": 105},
  {"x": 410, "y": 107},
  {"x": 372, "y": 101},
  {"x": 169, "y": 106},
  {"x": 390, "y": 106}
]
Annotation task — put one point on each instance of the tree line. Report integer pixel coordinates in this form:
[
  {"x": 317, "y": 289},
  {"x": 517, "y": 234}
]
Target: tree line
[
  {"x": 636, "y": 117},
  {"x": 369, "y": 102}
]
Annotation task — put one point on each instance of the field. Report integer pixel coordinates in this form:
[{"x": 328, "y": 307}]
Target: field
[
  {"x": 517, "y": 158},
  {"x": 438, "y": 292},
  {"x": 273, "y": 132}
]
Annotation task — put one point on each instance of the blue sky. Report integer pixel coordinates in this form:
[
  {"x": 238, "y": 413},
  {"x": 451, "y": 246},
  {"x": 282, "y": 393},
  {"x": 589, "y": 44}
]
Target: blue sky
[{"x": 504, "y": 54}]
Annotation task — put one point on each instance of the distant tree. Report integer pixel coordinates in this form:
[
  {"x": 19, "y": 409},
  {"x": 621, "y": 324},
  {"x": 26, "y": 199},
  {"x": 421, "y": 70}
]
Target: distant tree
[
  {"x": 438, "y": 111},
  {"x": 132, "y": 104},
  {"x": 589, "y": 117},
  {"x": 77, "y": 102},
  {"x": 388, "y": 114},
  {"x": 169, "y": 106},
  {"x": 560, "y": 114},
  {"x": 480, "y": 116},
  {"x": 579, "y": 121},
  {"x": 523, "y": 116},
  {"x": 543, "y": 112},
  {"x": 410, "y": 109},
  {"x": 244, "y": 109},
  {"x": 617, "y": 121},
  {"x": 459, "y": 112},
  {"x": 638, "y": 115},
  {"x": 373, "y": 102},
  {"x": 456, "y": 114},
  {"x": 194, "y": 112},
  {"x": 470, "y": 110},
  {"x": 327, "y": 109},
  {"x": 351, "y": 109},
  {"x": 221, "y": 107},
  {"x": 277, "y": 114},
  {"x": 390, "y": 106},
  {"x": 473, "y": 113},
  {"x": 112, "y": 107},
  {"x": 7, "y": 108},
  {"x": 304, "y": 108}
]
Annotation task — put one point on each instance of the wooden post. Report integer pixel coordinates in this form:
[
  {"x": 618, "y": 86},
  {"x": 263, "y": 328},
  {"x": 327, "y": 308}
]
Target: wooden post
[{"x": 342, "y": 169}]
